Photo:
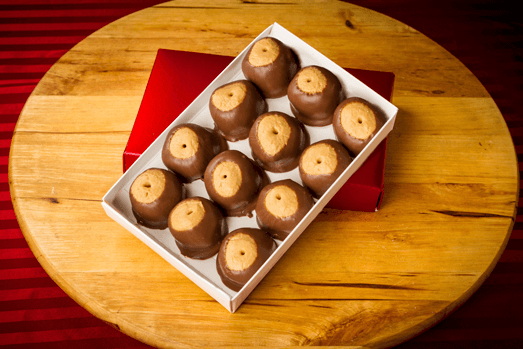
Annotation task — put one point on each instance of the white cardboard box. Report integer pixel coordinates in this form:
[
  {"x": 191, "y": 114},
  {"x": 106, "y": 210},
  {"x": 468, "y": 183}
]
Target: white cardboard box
[{"x": 203, "y": 273}]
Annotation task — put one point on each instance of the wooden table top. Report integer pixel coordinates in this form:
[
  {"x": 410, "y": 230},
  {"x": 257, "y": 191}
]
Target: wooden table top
[{"x": 353, "y": 278}]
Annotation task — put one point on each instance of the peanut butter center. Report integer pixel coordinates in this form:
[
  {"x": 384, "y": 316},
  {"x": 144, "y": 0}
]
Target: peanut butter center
[
  {"x": 187, "y": 215},
  {"x": 319, "y": 159},
  {"x": 264, "y": 52},
  {"x": 281, "y": 201},
  {"x": 358, "y": 120},
  {"x": 227, "y": 178},
  {"x": 273, "y": 133},
  {"x": 241, "y": 252},
  {"x": 148, "y": 186},
  {"x": 311, "y": 80},
  {"x": 184, "y": 143},
  {"x": 230, "y": 96}
]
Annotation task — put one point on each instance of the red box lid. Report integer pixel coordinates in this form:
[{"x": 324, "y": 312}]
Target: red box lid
[{"x": 177, "y": 78}]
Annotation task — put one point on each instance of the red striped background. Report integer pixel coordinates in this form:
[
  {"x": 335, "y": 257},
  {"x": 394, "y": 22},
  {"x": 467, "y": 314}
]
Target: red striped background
[{"x": 34, "y": 313}]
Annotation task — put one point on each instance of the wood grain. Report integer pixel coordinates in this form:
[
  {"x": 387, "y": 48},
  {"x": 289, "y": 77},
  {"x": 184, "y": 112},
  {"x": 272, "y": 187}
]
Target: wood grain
[{"x": 353, "y": 278}]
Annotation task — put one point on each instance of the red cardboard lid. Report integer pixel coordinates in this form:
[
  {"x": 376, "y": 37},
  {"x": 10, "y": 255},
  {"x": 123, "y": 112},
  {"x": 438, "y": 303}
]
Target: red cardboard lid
[{"x": 177, "y": 78}]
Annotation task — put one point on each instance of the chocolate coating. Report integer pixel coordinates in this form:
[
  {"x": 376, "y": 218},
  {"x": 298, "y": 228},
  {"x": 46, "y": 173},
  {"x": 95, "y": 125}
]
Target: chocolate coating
[
  {"x": 273, "y": 79},
  {"x": 242, "y": 203},
  {"x": 280, "y": 228},
  {"x": 235, "y": 279},
  {"x": 203, "y": 240},
  {"x": 210, "y": 143},
  {"x": 316, "y": 109},
  {"x": 318, "y": 184},
  {"x": 353, "y": 144},
  {"x": 155, "y": 214},
  {"x": 236, "y": 123},
  {"x": 289, "y": 156}
]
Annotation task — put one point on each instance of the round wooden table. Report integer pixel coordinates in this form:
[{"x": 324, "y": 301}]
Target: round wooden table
[{"x": 352, "y": 278}]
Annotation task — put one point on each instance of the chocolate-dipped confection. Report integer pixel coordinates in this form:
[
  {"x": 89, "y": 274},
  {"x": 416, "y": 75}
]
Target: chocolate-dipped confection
[
  {"x": 314, "y": 94},
  {"x": 234, "y": 107},
  {"x": 270, "y": 65},
  {"x": 198, "y": 227},
  {"x": 188, "y": 149},
  {"x": 277, "y": 140},
  {"x": 321, "y": 164},
  {"x": 281, "y": 206},
  {"x": 241, "y": 254},
  {"x": 234, "y": 181},
  {"x": 153, "y": 195},
  {"x": 356, "y": 122}
]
